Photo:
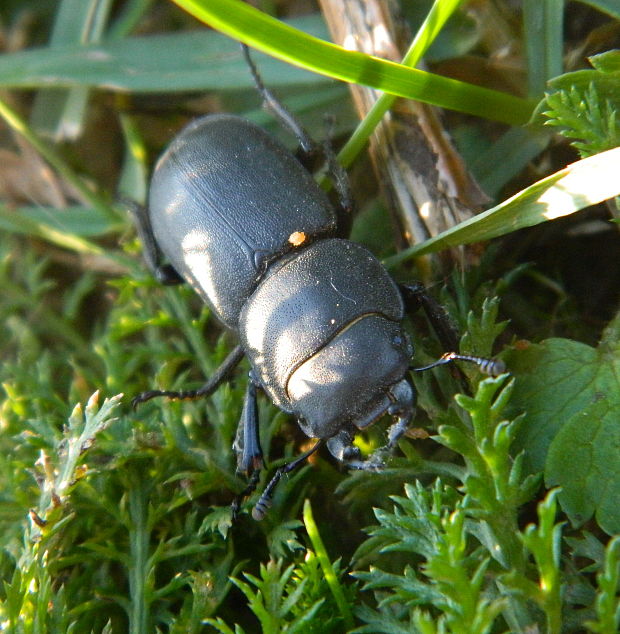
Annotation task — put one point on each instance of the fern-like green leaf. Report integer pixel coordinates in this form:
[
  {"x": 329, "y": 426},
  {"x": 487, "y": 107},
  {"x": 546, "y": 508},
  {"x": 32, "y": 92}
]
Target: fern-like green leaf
[{"x": 586, "y": 117}]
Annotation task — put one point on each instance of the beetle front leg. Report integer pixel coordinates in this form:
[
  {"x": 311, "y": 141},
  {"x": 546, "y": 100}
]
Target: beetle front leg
[
  {"x": 264, "y": 502},
  {"x": 342, "y": 448},
  {"x": 376, "y": 460},
  {"x": 163, "y": 273},
  {"x": 402, "y": 408}
]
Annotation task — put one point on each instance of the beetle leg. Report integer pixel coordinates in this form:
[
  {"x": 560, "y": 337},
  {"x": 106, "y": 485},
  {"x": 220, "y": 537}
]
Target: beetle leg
[
  {"x": 218, "y": 377},
  {"x": 264, "y": 502},
  {"x": 163, "y": 273},
  {"x": 341, "y": 445},
  {"x": 247, "y": 442},
  {"x": 247, "y": 445},
  {"x": 415, "y": 297},
  {"x": 236, "y": 503},
  {"x": 403, "y": 408},
  {"x": 342, "y": 448},
  {"x": 340, "y": 179},
  {"x": 307, "y": 145},
  {"x": 309, "y": 149}
]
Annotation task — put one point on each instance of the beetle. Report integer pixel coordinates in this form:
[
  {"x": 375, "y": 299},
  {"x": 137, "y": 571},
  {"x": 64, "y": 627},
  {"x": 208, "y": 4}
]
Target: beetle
[{"x": 242, "y": 220}]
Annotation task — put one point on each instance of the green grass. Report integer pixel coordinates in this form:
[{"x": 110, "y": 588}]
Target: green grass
[{"x": 498, "y": 511}]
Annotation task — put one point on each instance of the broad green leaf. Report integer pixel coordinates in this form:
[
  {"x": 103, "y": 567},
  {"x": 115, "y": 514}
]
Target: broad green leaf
[
  {"x": 577, "y": 186},
  {"x": 202, "y": 60},
  {"x": 245, "y": 23},
  {"x": 555, "y": 381},
  {"x": 584, "y": 459},
  {"x": 570, "y": 393}
]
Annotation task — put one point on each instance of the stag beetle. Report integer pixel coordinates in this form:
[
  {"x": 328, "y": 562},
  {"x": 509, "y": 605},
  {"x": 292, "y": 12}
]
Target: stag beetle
[{"x": 242, "y": 220}]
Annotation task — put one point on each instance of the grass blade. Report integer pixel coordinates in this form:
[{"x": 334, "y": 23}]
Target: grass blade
[
  {"x": 577, "y": 186},
  {"x": 247, "y": 24}
]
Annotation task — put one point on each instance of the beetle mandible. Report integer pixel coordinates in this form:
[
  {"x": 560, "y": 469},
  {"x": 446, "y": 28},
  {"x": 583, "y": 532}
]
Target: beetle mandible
[{"x": 242, "y": 220}]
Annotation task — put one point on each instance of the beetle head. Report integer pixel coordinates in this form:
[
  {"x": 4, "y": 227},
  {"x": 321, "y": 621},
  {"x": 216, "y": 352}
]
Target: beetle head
[{"x": 354, "y": 379}]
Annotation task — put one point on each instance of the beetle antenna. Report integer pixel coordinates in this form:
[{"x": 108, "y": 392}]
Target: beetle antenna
[
  {"x": 264, "y": 502},
  {"x": 492, "y": 367}
]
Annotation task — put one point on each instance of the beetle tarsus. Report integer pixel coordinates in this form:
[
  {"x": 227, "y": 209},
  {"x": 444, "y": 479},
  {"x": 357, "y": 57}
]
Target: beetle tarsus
[
  {"x": 264, "y": 502},
  {"x": 379, "y": 457},
  {"x": 249, "y": 489},
  {"x": 375, "y": 463}
]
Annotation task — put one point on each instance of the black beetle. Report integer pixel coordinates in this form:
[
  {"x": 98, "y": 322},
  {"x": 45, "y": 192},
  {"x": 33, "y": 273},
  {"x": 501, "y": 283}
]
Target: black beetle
[{"x": 242, "y": 220}]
